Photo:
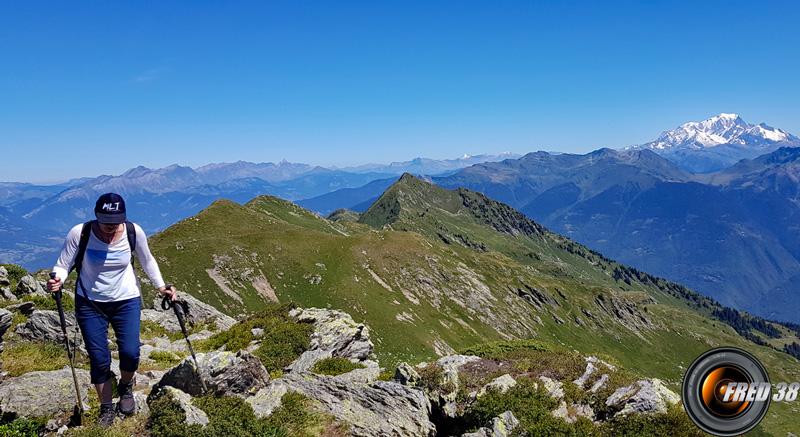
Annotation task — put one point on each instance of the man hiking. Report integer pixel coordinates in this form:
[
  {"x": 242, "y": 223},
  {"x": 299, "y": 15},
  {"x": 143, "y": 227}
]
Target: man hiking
[{"x": 107, "y": 292}]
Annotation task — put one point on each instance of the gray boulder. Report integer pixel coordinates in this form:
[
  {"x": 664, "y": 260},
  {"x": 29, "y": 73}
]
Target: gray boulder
[
  {"x": 374, "y": 410},
  {"x": 44, "y": 325},
  {"x": 336, "y": 334},
  {"x": 4, "y": 281},
  {"x": 225, "y": 373},
  {"x": 43, "y": 394},
  {"x": 5, "y": 293},
  {"x": 502, "y": 426},
  {"x": 199, "y": 313},
  {"x": 25, "y": 308},
  {"x": 29, "y": 285},
  {"x": 194, "y": 415},
  {"x": 643, "y": 396}
]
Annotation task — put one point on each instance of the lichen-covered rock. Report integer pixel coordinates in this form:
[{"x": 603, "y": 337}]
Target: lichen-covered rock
[
  {"x": 194, "y": 415},
  {"x": 500, "y": 384},
  {"x": 224, "y": 373},
  {"x": 406, "y": 374},
  {"x": 336, "y": 334},
  {"x": 268, "y": 399},
  {"x": 554, "y": 388},
  {"x": 643, "y": 396},
  {"x": 43, "y": 393},
  {"x": 44, "y": 325},
  {"x": 371, "y": 410},
  {"x": 29, "y": 285},
  {"x": 502, "y": 426},
  {"x": 4, "y": 277}
]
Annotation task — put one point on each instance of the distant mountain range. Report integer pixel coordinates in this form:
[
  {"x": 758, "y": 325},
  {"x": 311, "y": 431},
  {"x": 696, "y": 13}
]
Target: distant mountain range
[
  {"x": 34, "y": 218},
  {"x": 718, "y": 142},
  {"x": 731, "y": 233}
]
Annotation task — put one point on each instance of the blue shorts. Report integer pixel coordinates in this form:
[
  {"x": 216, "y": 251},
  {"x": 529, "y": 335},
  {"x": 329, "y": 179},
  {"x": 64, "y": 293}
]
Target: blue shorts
[{"x": 124, "y": 316}]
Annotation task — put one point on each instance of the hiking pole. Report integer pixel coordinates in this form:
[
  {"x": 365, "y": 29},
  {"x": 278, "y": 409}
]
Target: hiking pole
[
  {"x": 77, "y": 412},
  {"x": 181, "y": 307}
]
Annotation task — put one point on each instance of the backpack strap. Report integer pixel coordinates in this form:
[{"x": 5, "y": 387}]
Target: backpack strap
[
  {"x": 86, "y": 231},
  {"x": 131, "y": 231}
]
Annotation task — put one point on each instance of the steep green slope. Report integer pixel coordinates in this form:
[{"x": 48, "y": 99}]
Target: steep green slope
[{"x": 432, "y": 271}]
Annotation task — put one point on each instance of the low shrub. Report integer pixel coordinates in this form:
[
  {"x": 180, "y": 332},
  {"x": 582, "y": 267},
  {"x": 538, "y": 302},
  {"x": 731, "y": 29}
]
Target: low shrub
[{"x": 283, "y": 340}]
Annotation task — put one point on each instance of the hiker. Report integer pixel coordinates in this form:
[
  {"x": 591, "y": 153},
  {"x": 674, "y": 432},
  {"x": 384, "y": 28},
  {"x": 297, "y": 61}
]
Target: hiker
[{"x": 107, "y": 292}]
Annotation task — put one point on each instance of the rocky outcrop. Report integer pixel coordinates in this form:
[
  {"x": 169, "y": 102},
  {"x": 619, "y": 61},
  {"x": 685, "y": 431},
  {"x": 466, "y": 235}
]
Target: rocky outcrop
[
  {"x": 29, "y": 285},
  {"x": 194, "y": 415},
  {"x": 593, "y": 366},
  {"x": 406, "y": 374},
  {"x": 502, "y": 426},
  {"x": 643, "y": 396},
  {"x": 5, "y": 321},
  {"x": 44, "y": 325},
  {"x": 444, "y": 397},
  {"x": 199, "y": 313},
  {"x": 336, "y": 334},
  {"x": 374, "y": 410},
  {"x": 42, "y": 394},
  {"x": 571, "y": 413},
  {"x": 224, "y": 373}
]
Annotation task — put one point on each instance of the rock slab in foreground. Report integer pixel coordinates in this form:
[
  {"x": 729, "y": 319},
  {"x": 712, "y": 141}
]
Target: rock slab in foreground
[
  {"x": 43, "y": 393},
  {"x": 375, "y": 410}
]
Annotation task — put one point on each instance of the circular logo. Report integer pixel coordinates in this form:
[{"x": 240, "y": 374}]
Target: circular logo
[{"x": 726, "y": 391}]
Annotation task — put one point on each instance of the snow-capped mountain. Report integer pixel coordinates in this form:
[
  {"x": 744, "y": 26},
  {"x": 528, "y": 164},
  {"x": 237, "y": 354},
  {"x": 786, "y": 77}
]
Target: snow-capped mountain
[{"x": 718, "y": 142}]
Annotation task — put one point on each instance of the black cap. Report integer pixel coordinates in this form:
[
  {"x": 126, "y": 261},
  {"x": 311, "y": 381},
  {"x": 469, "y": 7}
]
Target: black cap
[{"x": 110, "y": 208}]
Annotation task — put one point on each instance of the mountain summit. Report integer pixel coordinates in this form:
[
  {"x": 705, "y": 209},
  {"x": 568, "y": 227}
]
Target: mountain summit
[{"x": 718, "y": 142}]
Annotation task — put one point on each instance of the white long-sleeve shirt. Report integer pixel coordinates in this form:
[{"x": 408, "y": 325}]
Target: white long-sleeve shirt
[{"x": 106, "y": 272}]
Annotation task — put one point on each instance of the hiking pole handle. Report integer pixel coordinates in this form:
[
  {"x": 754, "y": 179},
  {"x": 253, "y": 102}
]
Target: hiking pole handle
[{"x": 56, "y": 294}]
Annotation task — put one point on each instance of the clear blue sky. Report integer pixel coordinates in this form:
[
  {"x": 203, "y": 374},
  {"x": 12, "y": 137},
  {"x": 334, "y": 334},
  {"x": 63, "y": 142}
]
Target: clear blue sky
[{"x": 97, "y": 87}]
